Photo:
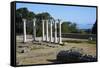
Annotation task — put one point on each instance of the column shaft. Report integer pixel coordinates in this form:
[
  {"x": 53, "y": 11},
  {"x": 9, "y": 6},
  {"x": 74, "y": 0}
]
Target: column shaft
[
  {"x": 43, "y": 39},
  {"x": 24, "y": 30},
  {"x": 60, "y": 39},
  {"x": 34, "y": 29},
  {"x": 47, "y": 30},
  {"x": 51, "y": 31},
  {"x": 55, "y": 38}
]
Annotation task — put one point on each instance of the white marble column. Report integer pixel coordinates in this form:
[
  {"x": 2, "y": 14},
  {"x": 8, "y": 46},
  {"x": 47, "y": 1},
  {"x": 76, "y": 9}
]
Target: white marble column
[
  {"x": 24, "y": 30},
  {"x": 34, "y": 29},
  {"x": 60, "y": 39},
  {"x": 47, "y": 31},
  {"x": 51, "y": 40},
  {"x": 55, "y": 34},
  {"x": 43, "y": 38}
]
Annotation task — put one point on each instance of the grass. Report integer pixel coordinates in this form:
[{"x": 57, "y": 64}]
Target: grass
[
  {"x": 77, "y": 41},
  {"x": 34, "y": 47},
  {"x": 73, "y": 41},
  {"x": 91, "y": 42}
]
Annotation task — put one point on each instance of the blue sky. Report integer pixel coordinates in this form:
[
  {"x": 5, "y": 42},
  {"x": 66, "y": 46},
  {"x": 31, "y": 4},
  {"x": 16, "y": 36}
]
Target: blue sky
[{"x": 83, "y": 16}]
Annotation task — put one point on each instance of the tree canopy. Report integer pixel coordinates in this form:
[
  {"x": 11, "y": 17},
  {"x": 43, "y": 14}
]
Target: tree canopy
[
  {"x": 25, "y": 13},
  {"x": 68, "y": 27},
  {"x": 94, "y": 28}
]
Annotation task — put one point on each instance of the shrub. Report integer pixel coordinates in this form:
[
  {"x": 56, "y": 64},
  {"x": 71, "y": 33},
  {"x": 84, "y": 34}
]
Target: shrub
[
  {"x": 74, "y": 55},
  {"x": 68, "y": 56},
  {"x": 88, "y": 58}
]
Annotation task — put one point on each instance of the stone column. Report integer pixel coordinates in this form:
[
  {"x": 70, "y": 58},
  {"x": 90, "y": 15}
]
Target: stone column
[
  {"x": 60, "y": 39},
  {"x": 47, "y": 31},
  {"x": 51, "y": 40},
  {"x": 24, "y": 30},
  {"x": 34, "y": 29},
  {"x": 43, "y": 39},
  {"x": 55, "y": 35}
]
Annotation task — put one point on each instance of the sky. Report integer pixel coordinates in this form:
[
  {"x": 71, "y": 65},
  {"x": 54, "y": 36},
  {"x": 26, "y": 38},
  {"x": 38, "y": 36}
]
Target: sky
[{"x": 84, "y": 17}]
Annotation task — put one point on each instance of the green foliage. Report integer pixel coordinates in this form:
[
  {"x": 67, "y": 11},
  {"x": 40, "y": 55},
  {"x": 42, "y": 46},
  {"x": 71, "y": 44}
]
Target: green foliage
[
  {"x": 73, "y": 28},
  {"x": 82, "y": 31},
  {"x": 78, "y": 41},
  {"x": 41, "y": 16},
  {"x": 25, "y": 13},
  {"x": 44, "y": 15},
  {"x": 94, "y": 28},
  {"x": 31, "y": 15},
  {"x": 22, "y": 12},
  {"x": 65, "y": 27},
  {"x": 73, "y": 41},
  {"x": 68, "y": 27},
  {"x": 91, "y": 42}
]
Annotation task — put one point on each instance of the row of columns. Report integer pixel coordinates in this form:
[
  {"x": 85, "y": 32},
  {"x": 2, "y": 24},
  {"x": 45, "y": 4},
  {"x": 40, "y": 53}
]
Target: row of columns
[{"x": 43, "y": 31}]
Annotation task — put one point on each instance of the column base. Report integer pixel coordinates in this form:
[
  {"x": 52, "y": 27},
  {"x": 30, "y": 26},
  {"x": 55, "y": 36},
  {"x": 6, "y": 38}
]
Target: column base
[
  {"x": 24, "y": 41},
  {"x": 60, "y": 42}
]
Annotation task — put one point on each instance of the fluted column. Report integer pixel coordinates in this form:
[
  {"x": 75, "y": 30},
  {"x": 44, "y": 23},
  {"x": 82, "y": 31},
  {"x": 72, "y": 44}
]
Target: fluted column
[
  {"x": 55, "y": 34},
  {"x": 60, "y": 39},
  {"x": 24, "y": 30},
  {"x": 51, "y": 40},
  {"x": 34, "y": 29},
  {"x": 47, "y": 31},
  {"x": 43, "y": 39}
]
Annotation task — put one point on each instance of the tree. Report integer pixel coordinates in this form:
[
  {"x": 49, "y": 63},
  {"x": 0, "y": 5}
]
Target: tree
[
  {"x": 65, "y": 27},
  {"x": 39, "y": 18},
  {"x": 24, "y": 13},
  {"x": 31, "y": 15},
  {"x": 94, "y": 28},
  {"x": 68, "y": 27},
  {"x": 73, "y": 28}
]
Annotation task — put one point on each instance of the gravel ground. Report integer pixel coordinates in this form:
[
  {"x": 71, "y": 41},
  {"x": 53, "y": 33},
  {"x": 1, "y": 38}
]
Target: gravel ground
[{"x": 33, "y": 53}]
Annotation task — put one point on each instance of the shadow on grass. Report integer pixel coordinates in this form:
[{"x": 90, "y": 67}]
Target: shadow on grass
[{"x": 54, "y": 61}]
